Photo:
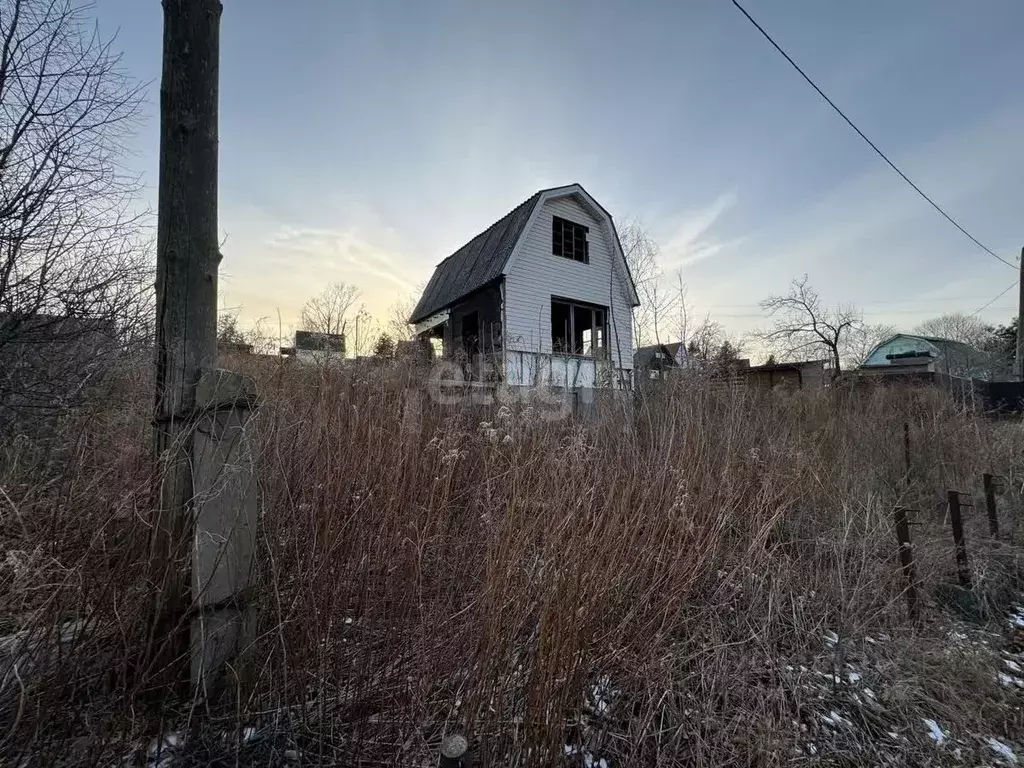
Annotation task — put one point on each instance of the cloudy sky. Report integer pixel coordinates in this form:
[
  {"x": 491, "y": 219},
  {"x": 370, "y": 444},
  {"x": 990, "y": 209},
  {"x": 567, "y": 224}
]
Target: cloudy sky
[{"x": 365, "y": 141}]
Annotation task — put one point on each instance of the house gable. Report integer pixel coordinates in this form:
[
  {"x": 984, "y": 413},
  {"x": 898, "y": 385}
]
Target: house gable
[
  {"x": 491, "y": 254},
  {"x": 534, "y": 275}
]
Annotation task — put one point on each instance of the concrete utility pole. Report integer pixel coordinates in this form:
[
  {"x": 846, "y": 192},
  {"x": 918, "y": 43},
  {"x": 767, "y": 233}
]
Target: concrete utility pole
[
  {"x": 1018, "y": 360},
  {"x": 186, "y": 305}
]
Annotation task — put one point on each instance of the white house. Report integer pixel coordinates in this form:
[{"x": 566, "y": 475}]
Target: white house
[{"x": 542, "y": 296}]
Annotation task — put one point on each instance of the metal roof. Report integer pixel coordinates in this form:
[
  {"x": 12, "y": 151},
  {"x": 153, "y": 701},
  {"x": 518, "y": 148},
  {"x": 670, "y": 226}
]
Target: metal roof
[{"x": 475, "y": 264}]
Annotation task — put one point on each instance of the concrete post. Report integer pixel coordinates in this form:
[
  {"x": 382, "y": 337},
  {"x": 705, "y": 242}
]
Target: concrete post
[{"x": 226, "y": 518}]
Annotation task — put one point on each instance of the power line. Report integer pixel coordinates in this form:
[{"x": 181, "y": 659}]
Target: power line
[
  {"x": 997, "y": 298},
  {"x": 871, "y": 144}
]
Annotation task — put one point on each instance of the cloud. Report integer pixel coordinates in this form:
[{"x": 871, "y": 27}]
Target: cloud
[
  {"x": 692, "y": 240},
  {"x": 343, "y": 251}
]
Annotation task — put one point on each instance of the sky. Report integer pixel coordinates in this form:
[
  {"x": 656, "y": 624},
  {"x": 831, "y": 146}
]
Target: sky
[{"x": 366, "y": 141}]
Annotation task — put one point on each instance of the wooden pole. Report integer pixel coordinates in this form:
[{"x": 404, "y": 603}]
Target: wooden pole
[
  {"x": 186, "y": 304},
  {"x": 963, "y": 571},
  {"x": 1018, "y": 360},
  {"x": 907, "y": 562},
  {"x": 990, "y": 504}
]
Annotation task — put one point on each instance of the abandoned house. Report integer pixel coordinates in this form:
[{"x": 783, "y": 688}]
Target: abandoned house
[{"x": 542, "y": 296}]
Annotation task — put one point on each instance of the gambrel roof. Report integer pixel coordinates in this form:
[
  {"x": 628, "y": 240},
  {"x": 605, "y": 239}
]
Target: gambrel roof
[{"x": 485, "y": 258}]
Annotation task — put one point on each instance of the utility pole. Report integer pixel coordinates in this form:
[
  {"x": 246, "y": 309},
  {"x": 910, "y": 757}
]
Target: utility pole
[
  {"x": 1018, "y": 360},
  {"x": 186, "y": 309}
]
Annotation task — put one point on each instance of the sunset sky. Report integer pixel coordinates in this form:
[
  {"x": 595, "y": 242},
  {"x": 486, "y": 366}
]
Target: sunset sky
[{"x": 365, "y": 141}]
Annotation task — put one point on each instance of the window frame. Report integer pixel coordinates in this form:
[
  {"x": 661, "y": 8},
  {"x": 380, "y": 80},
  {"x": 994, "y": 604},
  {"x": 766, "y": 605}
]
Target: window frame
[
  {"x": 577, "y": 235},
  {"x": 600, "y": 347}
]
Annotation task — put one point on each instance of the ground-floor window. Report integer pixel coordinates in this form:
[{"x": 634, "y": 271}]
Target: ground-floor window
[{"x": 578, "y": 328}]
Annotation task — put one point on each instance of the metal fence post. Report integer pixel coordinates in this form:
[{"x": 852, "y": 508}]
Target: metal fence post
[
  {"x": 906, "y": 449},
  {"x": 963, "y": 571},
  {"x": 907, "y": 561},
  {"x": 990, "y": 504}
]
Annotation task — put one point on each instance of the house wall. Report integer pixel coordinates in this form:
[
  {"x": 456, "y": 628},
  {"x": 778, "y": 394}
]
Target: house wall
[{"x": 536, "y": 274}]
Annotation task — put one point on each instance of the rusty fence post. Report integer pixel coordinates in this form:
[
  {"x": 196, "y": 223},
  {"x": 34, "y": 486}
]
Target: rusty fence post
[
  {"x": 963, "y": 571},
  {"x": 990, "y": 504},
  {"x": 907, "y": 561},
  {"x": 454, "y": 752}
]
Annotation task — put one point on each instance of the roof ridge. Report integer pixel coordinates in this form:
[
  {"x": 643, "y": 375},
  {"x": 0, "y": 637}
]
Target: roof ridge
[
  {"x": 491, "y": 226},
  {"x": 476, "y": 262}
]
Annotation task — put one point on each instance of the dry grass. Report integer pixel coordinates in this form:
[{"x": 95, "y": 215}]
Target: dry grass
[{"x": 703, "y": 584}]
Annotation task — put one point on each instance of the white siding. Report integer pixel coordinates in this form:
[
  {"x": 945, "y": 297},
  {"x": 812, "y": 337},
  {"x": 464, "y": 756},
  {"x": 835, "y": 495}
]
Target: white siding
[{"x": 536, "y": 274}]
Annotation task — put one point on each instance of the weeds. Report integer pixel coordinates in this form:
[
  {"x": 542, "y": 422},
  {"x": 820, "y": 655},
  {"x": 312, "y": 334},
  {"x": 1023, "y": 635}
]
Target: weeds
[{"x": 711, "y": 581}]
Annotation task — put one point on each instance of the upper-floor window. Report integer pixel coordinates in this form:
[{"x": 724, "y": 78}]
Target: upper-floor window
[{"x": 569, "y": 239}]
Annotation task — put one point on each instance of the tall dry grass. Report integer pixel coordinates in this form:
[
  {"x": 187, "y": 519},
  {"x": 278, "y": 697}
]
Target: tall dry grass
[{"x": 560, "y": 592}]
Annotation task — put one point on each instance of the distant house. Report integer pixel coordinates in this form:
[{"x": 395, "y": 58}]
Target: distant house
[
  {"x": 542, "y": 296},
  {"x": 911, "y": 355},
  {"x": 311, "y": 346},
  {"x": 656, "y": 360},
  {"x": 807, "y": 374},
  {"x": 233, "y": 348},
  {"x": 48, "y": 360}
]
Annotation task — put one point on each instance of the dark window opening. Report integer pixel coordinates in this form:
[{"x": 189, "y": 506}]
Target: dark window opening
[
  {"x": 578, "y": 329},
  {"x": 471, "y": 333},
  {"x": 569, "y": 239},
  {"x": 561, "y": 327}
]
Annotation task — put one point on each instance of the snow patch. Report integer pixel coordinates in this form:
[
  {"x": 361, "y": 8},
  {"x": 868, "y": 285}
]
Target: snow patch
[
  {"x": 834, "y": 718},
  {"x": 1010, "y": 680},
  {"x": 1001, "y": 749},
  {"x": 161, "y": 751},
  {"x": 934, "y": 731},
  {"x": 1016, "y": 619}
]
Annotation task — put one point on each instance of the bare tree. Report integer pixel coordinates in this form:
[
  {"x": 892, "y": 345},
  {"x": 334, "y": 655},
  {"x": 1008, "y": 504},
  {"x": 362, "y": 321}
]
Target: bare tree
[
  {"x": 957, "y": 326},
  {"x": 805, "y": 326},
  {"x": 861, "y": 340},
  {"x": 73, "y": 260},
  {"x": 329, "y": 311},
  {"x": 657, "y": 300},
  {"x": 682, "y": 309},
  {"x": 397, "y": 321}
]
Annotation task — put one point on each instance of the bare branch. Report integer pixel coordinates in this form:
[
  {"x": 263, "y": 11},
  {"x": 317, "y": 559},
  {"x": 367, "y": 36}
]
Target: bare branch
[
  {"x": 803, "y": 325},
  {"x": 73, "y": 254},
  {"x": 328, "y": 312}
]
